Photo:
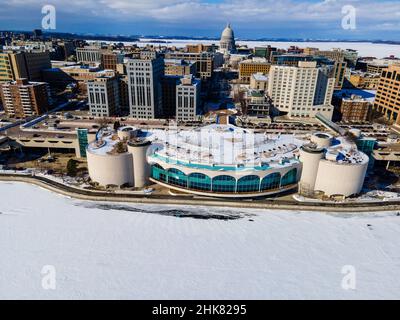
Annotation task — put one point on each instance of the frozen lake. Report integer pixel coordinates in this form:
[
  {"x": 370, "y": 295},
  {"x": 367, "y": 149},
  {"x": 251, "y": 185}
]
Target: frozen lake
[
  {"x": 365, "y": 49},
  {"x": 132, "y": 251}
]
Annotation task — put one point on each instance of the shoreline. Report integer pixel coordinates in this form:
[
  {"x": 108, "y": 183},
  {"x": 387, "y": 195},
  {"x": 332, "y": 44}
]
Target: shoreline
[{"x": 101, "y": 196}]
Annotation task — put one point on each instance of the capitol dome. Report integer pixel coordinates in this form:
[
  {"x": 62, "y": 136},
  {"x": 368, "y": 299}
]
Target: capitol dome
[
  {"x": 228, "y": 33},
  {"x": 227, "y": 42}
]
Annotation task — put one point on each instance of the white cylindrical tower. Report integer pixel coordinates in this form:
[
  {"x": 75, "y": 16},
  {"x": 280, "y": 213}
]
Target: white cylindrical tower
[
  {"x": 322, "y": 140},
  {"x": 344, "y": 179},
  {"x": 106, "y": 169},
  {"x": 141, "y": 167},
  {"x": 126, "y": 133},
  {"x": 310, "y": 156}
]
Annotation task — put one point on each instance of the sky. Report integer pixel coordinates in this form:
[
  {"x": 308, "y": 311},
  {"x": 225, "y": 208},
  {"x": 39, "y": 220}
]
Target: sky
[{"x": 250, "y": 19}]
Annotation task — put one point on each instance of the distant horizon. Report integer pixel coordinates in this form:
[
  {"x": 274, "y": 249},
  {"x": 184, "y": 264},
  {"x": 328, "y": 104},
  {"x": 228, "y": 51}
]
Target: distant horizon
[{"x": 216, "y": 38}]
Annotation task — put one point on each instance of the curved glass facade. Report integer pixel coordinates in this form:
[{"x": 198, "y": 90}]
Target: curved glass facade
[
  {"x": 199, "y": 181},
  {"x": 270, "y": 182},
  {"x": 248, "y": 184},
  {"x": 177, "y": 178},
  {"x": 289, "y": 178},
  {"x": 158, "y": 173},
  {"x": 223, "y": 183}
]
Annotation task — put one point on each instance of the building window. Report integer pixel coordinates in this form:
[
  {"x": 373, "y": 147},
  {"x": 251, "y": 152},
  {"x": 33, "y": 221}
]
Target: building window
[
  {"x": 248, "y": 184},
  {"x": 224, "y": 184},
  {"x": 177, "y": 178},
  {"x": 158, "y": 173},
  {"x": 199, "y": 181},
  {"x": 289, "y": 178},
  {"x": 271, "y": 182}
]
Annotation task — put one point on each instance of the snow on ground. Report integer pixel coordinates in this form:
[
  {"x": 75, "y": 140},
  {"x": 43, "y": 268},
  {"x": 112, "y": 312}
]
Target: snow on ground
[{"x": 130, "y": 251}]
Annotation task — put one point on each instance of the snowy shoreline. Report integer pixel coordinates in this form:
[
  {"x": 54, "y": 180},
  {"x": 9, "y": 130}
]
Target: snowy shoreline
[{"x": 101, "y": 196}]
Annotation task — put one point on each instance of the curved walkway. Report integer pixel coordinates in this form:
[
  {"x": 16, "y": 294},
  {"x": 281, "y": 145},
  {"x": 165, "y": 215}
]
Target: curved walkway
[{"x": 103, "y": 196}]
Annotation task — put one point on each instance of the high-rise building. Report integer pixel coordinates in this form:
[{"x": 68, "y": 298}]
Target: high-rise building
[
  {"x": 23, "y": 65},
  {"x": 364, "y": 80},
  {"x": 340, "y": 74},
  {"x": 145, "y": 99},
  {"x": 62, "y": 50},
  {"x": 378, "y": 65},
  {"x": 23, "y": 99},
  {"x": 198, "y": 48},
  {"x": 351, "y": 57},
  {"x": 62, "y": 77},
  {"x": 339, "y": 57},
  {"x": 124, "y": 94},
  {"x": 249, "y": 67},
  {"x": 111, "y": 60},
  {"x": 302, "y": 91},
  {"x": 187, "y": 99},
  {"x": 179, "y": 67},
  {"x": 289, "y": 59},
  {"x": 387, "y": 100},
  {"x": 355, "y": 109},
  {"x": 169, "y": 85},
  {"x": 264, "y": 52},
  {"x": 103, "y": 96},
  {"x": 205, "y": 61},
  {"x": 36, "y": 62},
  {"x": 148, "y": 54},
  {"x": 89, "y": 54}
]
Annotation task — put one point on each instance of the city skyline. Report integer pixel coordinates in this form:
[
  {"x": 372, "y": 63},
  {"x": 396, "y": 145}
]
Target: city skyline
[{"x": 313, "y": 19}]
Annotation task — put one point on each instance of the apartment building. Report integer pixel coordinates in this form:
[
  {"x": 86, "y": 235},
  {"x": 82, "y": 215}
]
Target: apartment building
[
  {"x": 302, "y": 91},
  {"x": 23, "y": 65},
  {"x": 355, "y": 109},
  {"x": 187, "y": 99},
  {"x": 145, "y": 91},
  {"x": 103, "y": 97},
  {"x": 23, "y": 99},
  {"x": 387, "y": 100}
]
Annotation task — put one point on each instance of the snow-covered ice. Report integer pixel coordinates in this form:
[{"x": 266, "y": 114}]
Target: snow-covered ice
[
  {"x": 130, "y": 251},
  {"x": 379, "y": 50}
]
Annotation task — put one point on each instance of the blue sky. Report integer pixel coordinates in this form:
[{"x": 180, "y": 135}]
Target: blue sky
[{"x": 375, "y": 19}]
